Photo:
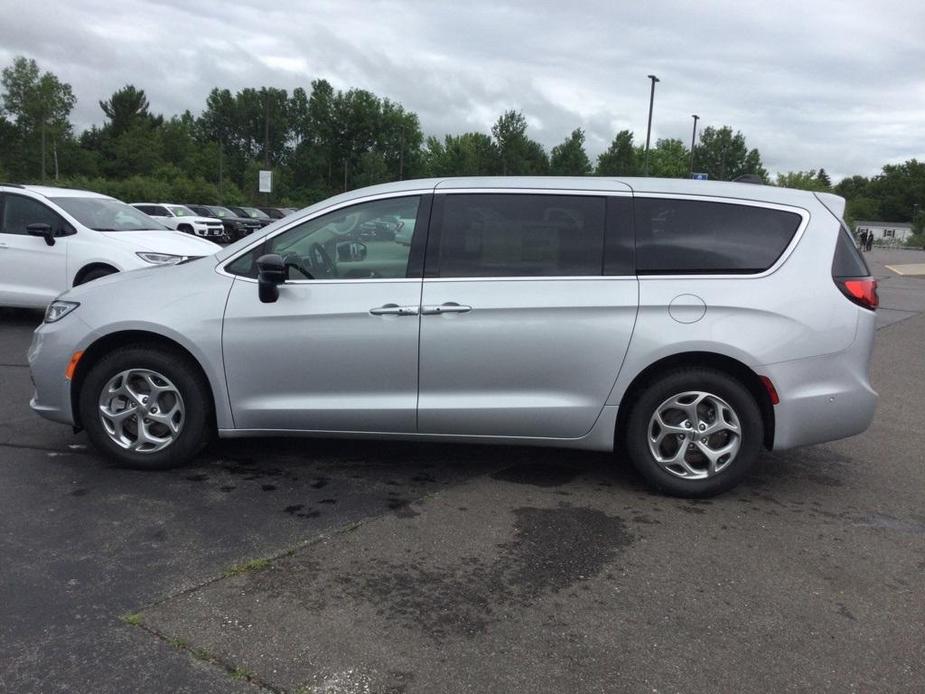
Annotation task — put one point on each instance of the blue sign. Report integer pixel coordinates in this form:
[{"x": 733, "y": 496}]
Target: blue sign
[{"x": 700, "y": 176}]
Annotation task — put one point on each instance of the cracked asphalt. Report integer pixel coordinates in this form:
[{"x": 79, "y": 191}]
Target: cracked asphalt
[{"x": 396, "y": 567}]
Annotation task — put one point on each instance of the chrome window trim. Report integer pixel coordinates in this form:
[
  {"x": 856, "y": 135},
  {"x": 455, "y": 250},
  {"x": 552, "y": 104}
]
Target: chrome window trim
[
  {"x": 532, "y": 278},
  {"x": 220, "y": 267},
  {"x": 535, "y": 191},
  {"x": 788, "y": 251}
]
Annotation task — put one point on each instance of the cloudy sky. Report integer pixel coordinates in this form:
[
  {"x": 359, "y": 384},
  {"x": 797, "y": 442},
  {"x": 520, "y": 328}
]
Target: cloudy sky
[{"x": 814, "y": 83}]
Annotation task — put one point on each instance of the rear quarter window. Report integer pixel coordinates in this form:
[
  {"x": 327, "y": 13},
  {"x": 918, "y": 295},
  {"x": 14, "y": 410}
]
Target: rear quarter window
[
  {"x": 848, "y": 261},
  {"x": 701, "y": 237}
]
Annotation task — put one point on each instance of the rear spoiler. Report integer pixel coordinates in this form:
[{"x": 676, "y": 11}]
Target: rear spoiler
[{"x": 833, "y": 203}]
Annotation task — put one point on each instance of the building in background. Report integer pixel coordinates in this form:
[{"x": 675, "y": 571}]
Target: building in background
[{"x": 885, "y": 233}]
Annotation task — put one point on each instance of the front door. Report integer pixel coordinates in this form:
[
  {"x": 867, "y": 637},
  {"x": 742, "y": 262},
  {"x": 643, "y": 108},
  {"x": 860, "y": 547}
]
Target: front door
[
  {"x": 338, "y": 350},
  {"x": 32, "y": 273},
  {"x": 522, "y": 333}
]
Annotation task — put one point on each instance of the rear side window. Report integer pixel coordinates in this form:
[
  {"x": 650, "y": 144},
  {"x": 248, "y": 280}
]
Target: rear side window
[
  {"x": 519, "y": 235},
  {"x": 698, "y": 237},
  {"x": 848, "y": 261}
]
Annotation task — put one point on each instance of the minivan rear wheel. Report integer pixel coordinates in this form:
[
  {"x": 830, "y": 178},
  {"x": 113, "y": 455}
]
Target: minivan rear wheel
[
  {"x": 694, "y": 432},
  {"x": 146, "y": 407}
]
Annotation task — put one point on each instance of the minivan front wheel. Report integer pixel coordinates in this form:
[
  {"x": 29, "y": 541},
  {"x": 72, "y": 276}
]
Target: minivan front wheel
[
  {"x": 694, "y": 432},
  {"x": 147, "y": 408}
]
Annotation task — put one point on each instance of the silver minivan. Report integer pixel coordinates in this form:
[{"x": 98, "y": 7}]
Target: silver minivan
[{"x": 691, "y": 322}]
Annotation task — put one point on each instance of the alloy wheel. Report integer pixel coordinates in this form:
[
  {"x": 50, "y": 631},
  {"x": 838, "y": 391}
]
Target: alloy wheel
[
  {"x": 694, "y": 435},
  {"x": 141, "y": 410}
]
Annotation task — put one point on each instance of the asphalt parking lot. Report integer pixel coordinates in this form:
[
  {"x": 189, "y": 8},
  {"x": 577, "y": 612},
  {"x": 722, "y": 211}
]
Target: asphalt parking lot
[{"x": 339, "y": 566}]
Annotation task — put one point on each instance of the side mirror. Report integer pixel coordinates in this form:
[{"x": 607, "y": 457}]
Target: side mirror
[
  {"x": 42, "y": 229},
  {"x": 271, "y": 272}
]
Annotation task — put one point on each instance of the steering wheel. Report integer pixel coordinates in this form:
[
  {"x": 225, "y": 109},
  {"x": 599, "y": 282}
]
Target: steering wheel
[
  {"x": 294, "y": 261},
  {"x": 321, "y": 260}
]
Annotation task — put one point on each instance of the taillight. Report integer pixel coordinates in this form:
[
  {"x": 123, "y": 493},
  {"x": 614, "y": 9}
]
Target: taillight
[{"x": 861, "y": 291}]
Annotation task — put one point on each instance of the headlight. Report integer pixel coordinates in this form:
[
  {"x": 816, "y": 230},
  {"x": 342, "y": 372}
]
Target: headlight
[
  {"x": 161, "y": 258},
  {"x": 59, "y": 309}
]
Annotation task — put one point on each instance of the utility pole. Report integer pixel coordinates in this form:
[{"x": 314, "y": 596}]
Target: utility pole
[
  {"x": 44, "y": 147},
  {"x": 693, "y": 141},
  {"x": 401, "y": 155},
  {"x": 221, "y": 178},
  {"x": 266, "y": 128},
  {"x": 649, "y": 128}
]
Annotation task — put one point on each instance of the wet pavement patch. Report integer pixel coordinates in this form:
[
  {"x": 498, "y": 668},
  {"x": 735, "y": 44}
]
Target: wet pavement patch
[
  {"x": 402, "y": 508},
  {"x": 539, "y": 474},
  {"x": 551, "y": 550}
]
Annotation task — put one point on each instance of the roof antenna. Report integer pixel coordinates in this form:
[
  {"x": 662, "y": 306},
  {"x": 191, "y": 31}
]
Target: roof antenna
[{"x": 749, "y": 178}]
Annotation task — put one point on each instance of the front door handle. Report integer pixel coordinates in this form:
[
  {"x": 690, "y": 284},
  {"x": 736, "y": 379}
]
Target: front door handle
[
  {"x": 394, "y": 310},
  {"x": 448, "y": 307},
  {"x": 3, "y": 245}
]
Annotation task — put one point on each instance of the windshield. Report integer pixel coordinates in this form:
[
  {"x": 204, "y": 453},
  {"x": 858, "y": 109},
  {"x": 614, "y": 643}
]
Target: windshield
[
  {"x": 254, "y": 212},
  {"x": 106, "y": 214},
  {"x": 180, "y": 211},
  {"x": 221, "y": 212}
]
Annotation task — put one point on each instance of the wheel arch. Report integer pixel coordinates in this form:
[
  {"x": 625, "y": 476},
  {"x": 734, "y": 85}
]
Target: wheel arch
[
  {"x": 107, "y": 343},
  {"x": 713, "y": 360},
  {"x": 90, "y": 267}
]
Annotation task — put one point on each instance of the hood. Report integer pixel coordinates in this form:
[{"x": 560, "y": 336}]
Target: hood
[
  {"x": 204, "y": 220},
  {"x": 168, "y": 241}
]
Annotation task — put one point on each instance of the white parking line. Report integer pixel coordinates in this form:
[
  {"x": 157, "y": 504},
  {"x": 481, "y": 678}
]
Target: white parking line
[{"x": 910, "y": 269}]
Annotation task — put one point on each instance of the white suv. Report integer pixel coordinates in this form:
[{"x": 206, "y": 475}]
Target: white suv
[
  {"x": 52, "y": 239},
  {"x": 183, "y": 219}
]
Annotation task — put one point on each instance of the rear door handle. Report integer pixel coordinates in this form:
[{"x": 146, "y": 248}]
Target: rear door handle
[
  {"x": 394, "y": 310},
  {"x": 3, "y": 245},
  {"x": 448, "y": 307}
]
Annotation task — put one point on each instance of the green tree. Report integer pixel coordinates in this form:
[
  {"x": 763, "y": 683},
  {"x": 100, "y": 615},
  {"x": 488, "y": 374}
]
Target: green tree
[
  {"x": 803, "y": 180},
  {"x": 126, "y": 108},
  {"x": 570, "y": 158},
  {"x": 520, "y": 156},
  {"x": 853, "y": 187},
  {"x": 898, "y": 188},
  {"x": 40, "y": 104},
  {"x": 469, "y": 154},
  {"x": 620, "y": 158},
  {"x": 725, "y": 156},
  {"x": 669, "y": 159}
]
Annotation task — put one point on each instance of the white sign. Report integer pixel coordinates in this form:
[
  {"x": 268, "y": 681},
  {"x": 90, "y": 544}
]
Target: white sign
[{"x": 265, "y": 182}]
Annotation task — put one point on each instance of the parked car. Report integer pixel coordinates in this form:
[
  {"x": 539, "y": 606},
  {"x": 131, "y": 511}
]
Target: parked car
[
  {"x": 252, "y": 213},
  {"x": 236, "y": 227},
  {"x": 275, "y": 212},
  {"x": 52, "y": 239},
  {"x": 183, "y": 219},
  {"x": 694, "y": 323}
]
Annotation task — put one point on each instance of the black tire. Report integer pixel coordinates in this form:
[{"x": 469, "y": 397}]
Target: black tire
[
  {"x": 679, "y": 381},
  {"x": 185, "y": 228},
  {"x": 198, "y": 422},
  {"x": 96, "y": 274}
]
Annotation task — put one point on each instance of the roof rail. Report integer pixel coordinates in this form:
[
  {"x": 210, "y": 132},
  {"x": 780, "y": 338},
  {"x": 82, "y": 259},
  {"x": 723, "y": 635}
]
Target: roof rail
[{"x": 12, "y": 185}]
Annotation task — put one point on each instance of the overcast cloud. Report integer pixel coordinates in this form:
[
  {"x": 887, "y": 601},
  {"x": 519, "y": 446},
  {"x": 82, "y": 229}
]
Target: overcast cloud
[{"x": 812, "y": 84}]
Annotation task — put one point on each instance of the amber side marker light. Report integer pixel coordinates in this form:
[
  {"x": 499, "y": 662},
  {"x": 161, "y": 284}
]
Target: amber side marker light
[
  {"x": 72, "y": 365},
  {"x": 772, "y": 391}
]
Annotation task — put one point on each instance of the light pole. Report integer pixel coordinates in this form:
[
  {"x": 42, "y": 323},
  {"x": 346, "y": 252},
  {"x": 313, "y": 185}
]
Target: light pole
[
  {"x": 693, "y": 140},
  {"x": 649, "y": 129}
]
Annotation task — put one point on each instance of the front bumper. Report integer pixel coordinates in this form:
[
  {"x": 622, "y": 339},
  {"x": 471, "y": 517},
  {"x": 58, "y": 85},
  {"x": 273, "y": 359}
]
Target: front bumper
[
  {"x": 825, "y": 398},
  {"x": 48, "y": 356},
  {"x": 209, "y": 232}
]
